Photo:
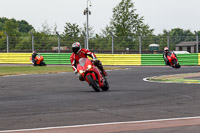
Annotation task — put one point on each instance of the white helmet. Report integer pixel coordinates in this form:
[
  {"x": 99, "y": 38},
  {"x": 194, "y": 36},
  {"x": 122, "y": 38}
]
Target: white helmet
[
  {"x": 166, "y": 49},
  {"x": 76, "y": 47}
]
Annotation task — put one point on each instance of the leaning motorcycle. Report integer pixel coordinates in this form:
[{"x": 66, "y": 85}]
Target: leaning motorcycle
[
  {"x": 39, "y": 61},
  {"x": 92, "y": 75},
  {"x": 173, "y": 61}
]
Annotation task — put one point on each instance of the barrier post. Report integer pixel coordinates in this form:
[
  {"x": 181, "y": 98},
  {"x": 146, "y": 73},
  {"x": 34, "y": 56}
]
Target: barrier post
[
  {"x": 7, "y": 42},
  {"x": 112, "y": 42},
  {"x": 58, "y": 41},
  {"x": 197, "y": 42},
  {"x": 32, "y": 41},
  {"x": 168, "y": 40},
  {"x": 140, "y": 44}
]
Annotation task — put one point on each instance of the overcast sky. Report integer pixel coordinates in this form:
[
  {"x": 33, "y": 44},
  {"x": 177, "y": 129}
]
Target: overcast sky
[{"x": 158, "y": 14}]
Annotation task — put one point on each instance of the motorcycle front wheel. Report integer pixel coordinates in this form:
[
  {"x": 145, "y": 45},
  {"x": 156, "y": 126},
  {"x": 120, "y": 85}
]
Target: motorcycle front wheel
[
  {"x": 93, "y": 83},
  {"x": 105, "y": 86}
]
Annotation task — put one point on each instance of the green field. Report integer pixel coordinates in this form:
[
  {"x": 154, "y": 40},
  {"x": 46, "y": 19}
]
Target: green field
[{"x": 18, "y": 70}]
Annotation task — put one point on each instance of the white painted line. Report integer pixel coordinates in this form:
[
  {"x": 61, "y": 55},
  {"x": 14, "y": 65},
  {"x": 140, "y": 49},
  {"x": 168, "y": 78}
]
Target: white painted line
[
  {"x": 101, "y": 124},
  {"x": 165, "y": 82}
]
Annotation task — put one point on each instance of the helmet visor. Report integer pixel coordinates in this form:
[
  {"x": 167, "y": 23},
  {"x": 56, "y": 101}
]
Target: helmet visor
[{"x": 75, "y": 50}]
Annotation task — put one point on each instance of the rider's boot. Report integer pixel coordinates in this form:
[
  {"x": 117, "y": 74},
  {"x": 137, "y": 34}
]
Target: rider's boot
[
  {"x": 100, "y": 66},
  {"x": 104, "y": 72}
]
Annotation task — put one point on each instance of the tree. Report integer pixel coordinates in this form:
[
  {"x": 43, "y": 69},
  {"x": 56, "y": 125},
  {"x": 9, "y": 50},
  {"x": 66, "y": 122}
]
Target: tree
[
  {"x": 178, "y": 35},
  {"x": 106, "y": 31},
  {"x": 55, "y": 29},
  {"x": 71, "y": 34},
  {"x": 46, "y": 29},
  {"x": 24, "y": 26},
  {"x": 2, "y": 41},
  {"x": 125, "y": 22},
  {"x": 11, "y": 27},
  {"x": 126, "y": 25},
  {"x": 2, "y": 23},
  {"x": 90, "y": 30},
  {"x": 72, "y": 30}
]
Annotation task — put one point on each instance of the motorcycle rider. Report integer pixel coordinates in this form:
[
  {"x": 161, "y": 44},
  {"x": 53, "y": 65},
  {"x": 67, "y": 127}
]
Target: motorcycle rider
[
  {"x": 165, "y": 53},
  {"x": 78, "y": 53},
  {"x": 33, "y": 57}
]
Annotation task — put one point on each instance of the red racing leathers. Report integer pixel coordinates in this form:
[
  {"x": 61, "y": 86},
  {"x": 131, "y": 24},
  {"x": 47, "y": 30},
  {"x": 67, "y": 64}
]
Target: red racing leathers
[{"x": 83, "y": 53}]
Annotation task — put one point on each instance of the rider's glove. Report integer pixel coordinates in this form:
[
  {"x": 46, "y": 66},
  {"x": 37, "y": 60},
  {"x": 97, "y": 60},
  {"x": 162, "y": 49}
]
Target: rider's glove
[
  {"x": 94, "y": 59},
  {"x": 75, "y": 71}
]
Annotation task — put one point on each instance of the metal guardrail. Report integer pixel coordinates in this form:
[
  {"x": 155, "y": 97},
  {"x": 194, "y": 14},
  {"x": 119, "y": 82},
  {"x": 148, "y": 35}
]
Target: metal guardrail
[
  {"x": 157, "y": 59},
  {"x": 120, "y": 59},
  {"x": 106, "y": 59},
  {"x": 15, "y": 58}
]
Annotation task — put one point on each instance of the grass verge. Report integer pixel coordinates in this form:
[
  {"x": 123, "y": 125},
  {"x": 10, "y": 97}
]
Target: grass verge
[{"x": 18, "y": 70}]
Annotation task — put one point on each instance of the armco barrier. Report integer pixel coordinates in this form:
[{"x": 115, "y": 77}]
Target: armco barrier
[
  {"x": 198, "y": 59},
  {"x": 152, "y": 59},
  {"x": 106, "y": 59},
  {"x": 188, "y": 59},
  {"x": 15, "y": 58},
  {"x": 157, "y": 59},
  {"x": 119, "y": 59},
  {"x": 56, "y": 58}
]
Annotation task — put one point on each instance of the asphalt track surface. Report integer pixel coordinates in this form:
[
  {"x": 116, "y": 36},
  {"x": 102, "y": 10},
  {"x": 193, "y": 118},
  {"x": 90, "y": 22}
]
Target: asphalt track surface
[{"x": 54, "y": 100}]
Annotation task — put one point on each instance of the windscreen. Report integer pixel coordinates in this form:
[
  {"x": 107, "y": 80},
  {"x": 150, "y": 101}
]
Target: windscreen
[
  {"x": 38, "y": 56},
  {"x": 169, "y": 54},
  {"x": 82, "y": 61}
]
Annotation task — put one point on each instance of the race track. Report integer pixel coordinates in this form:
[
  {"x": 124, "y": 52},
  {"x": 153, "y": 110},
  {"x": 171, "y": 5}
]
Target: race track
[{"x": 53, "y": 100}]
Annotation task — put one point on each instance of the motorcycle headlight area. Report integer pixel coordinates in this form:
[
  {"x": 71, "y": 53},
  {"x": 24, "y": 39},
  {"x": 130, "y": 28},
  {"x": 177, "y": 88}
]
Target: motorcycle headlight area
[
  {"x": 81, "y": 71},
  {"x": 89, "y": 66}
]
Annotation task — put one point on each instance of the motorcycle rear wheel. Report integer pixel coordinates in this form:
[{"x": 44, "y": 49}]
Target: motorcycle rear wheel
[
  {"x": 42, "y": 64},
  {"x": 93, "y": 83},
  {"x": 176, "y": 65}
]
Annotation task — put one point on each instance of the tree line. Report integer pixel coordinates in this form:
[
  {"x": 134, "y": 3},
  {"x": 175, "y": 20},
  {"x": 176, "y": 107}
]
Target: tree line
[{"x": 125, "y": 25}]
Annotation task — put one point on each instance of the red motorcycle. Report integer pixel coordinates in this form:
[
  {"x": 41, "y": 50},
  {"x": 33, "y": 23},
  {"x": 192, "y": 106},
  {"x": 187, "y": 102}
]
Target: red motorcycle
[
  {"x": 173, "y": 61},
  {"x": 39, "y": 62},
  {"x": 92, "y": 75}
]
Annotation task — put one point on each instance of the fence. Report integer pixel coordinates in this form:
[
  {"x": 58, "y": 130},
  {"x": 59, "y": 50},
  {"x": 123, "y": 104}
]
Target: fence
[{"x": 108, "y": 45}]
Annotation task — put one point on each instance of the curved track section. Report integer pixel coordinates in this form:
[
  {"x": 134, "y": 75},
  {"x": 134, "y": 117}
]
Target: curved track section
[
  {"x": 187, "y": 78},
  {"x": 52, "y": 100}
]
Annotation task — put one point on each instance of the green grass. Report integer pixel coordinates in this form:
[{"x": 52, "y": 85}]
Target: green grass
[{"x": 18, "y": 70}]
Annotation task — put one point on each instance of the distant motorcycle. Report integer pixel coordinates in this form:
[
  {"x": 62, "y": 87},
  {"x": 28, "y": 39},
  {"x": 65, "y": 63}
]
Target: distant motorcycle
[
  {"x": 173, "y": 61},
  {"x": 92, "y": 75},
  {"x": 39, "y": 61}
]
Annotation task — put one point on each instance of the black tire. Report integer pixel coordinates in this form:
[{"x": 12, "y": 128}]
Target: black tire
[
  {"x": 105, "y": 86},
  {"x": 42, "y": 64},
  {"x": 176, "y": 65},
  {"x": 93, "y": 83}
]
